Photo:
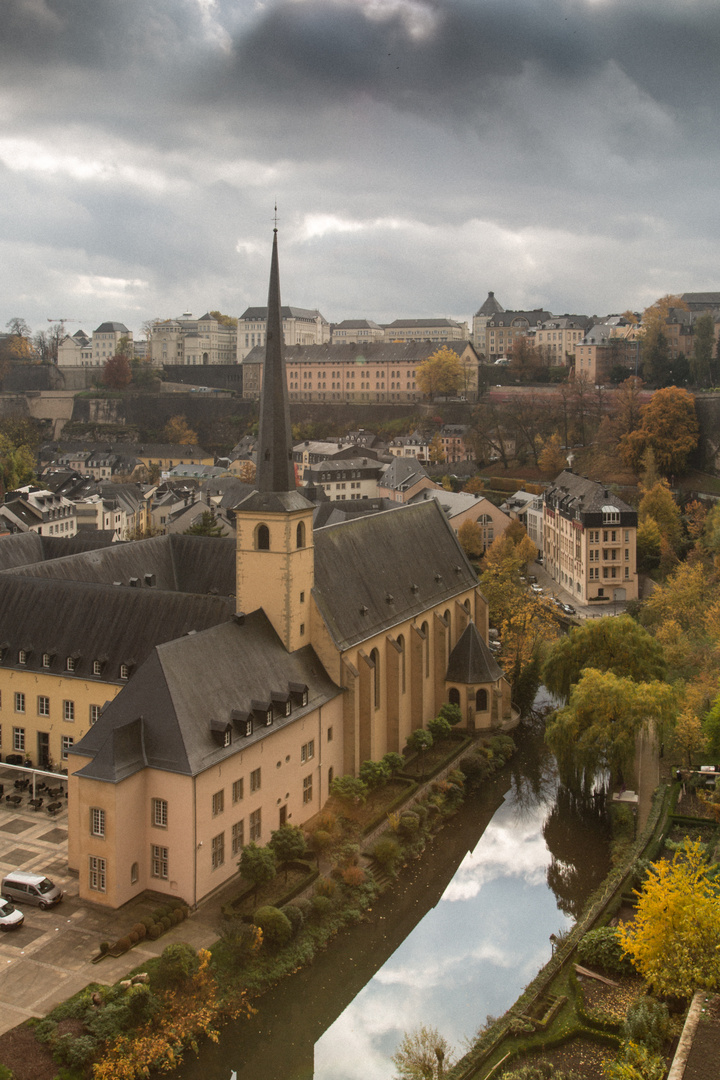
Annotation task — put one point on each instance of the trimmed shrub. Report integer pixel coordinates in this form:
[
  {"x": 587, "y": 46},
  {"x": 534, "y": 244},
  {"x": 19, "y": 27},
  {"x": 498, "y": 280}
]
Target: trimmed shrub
[
  {"x": 294, "y": 916},
  {"x": 647, "y": 1022},
  {"x": 75, "y": 1050},
  {"x": 275, "y": 925},
  {"x": 147, "y": 921},
  {"x": 409, "y": 823},
  {"x": 322, "y": 906},
  {"x": 104, "y": 947},
  {"x": 325, "y": 887},
  {"x": 166, "y": 922},
  {"x": 303, "y": 905},
  {"x": 140, "y": 929},
  {"x": 133, "y": 937},
  {"x": 155, "y": 931},
  {"x": 602, "y": 948},
  {"x": 178, "y": 963},
  {"x": 386, "y": 852},
  {"x": 124, "y": 943},
  {"x": 177, "y": 916}
]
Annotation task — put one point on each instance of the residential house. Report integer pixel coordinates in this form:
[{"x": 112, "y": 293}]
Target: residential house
[{"x": 461, "y": 506}]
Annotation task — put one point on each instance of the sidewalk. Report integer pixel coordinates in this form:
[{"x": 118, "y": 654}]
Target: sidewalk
[{"x": 583, "y": 610}]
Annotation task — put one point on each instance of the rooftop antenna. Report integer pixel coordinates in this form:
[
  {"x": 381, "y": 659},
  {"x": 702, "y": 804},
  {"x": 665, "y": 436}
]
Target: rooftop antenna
[{"x": 275, "y": 218}]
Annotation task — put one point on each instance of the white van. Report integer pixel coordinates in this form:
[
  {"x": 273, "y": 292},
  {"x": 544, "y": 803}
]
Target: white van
[
  {"x": 30, "y": 889},
  {"x": 10, "y": 917}
]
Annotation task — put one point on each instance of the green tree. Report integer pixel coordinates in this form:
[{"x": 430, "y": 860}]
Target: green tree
[
  {"x": 647, "y": 546},
  {"x": 275, "y": 925},
  {"x": 17, "y": 464},
  {"x": 674, "y": 936},
  {"x": 225, "y": 320},
  {"x": 688, "y": 737},
  {"x": 597, "y": 729},
  {"x": 393, "y": 761},
  {"x": 451, "y": 713},
  {"x": 257, "y": 865},
  {"x": 441, "y": 374},
  {"x": 349, "y": 789},
  {"x": 288, "y": 843},
  {"x": 374, "y": 773},
  {"x": 616, "y": 644},
  {"x": 206, "y": 526},
  {"x": 439, "y": 728},
  {"x": 117, "y": 372},
  {"x": 423, "y": 1054}
]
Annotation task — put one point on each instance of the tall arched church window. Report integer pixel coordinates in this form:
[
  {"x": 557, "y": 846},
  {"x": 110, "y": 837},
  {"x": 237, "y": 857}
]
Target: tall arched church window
[
  {"x": 300, "y": 535},
  {"x": 454, "y": 696},
  {"x": 375, "y": 657},
  {"x": 401, "y": 646},
  {"x": 426, "y": 631},
  {"x": 262, "y": 538},
  {"x": 481, "y": 701}
]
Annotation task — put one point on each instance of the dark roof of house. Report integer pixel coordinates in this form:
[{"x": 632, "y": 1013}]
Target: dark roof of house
[
  {"x": 178, "y": 563},
  {"x": 378, "y": 570},
  {"x": 420, "y": 323},
  {"x": 399, "y": 352},
  {"x": 572, "y": 493},
  {"x": 333, "y": 512},
  {"x": 356, "y": 324},
  {"x": 112, "y": 327},
  {"x": 99, "y": 622},
  {"x": 508, "y": 318},
  {"x": 24, "y": 549},
  {"x": 260, "y": 313},
  {"x": 166, "y": 716},
  {"x": 471, "y": 660},
  {"x": 402, "y": 473},
  {"x": 491, "y": 306}
]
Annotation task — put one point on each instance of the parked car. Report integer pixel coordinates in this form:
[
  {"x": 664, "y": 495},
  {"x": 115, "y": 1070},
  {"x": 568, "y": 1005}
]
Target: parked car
[
  {"x": 31, "y": 888},
  {"x": 568, "y": 609},
  {"x": 10, "y": 917},
  {"x": 495, "y": 646},
  {"x": 536, "y": 588}
]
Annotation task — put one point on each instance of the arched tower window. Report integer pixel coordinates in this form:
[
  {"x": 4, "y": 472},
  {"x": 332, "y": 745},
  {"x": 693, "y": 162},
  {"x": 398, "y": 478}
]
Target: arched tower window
[
  {"x": 262, "y": 538},
  {"x": 481, "y": 701},
  {"x": 375, "y": 657},
  {"x": 300, "y": 535},
  {"x": 454, "y": 696},
  {"x": 401, "y": 646},
  {"x": 447, "y": 619},
  {"x": 426, "y": 631}
]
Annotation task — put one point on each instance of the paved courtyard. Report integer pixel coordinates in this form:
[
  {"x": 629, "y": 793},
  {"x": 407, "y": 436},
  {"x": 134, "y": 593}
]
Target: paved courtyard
[{"x": 50, "y": 957}]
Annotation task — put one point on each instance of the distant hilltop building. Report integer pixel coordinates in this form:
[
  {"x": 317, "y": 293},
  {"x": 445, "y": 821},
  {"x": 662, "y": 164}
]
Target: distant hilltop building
[
  {"x": 356, "y": 330},
  {"x": 489, "y": 308},
  {"x": 79, "y": 350},
  {"x": 192, "y": 341},
  {"x": 300, "y": 326},
  {"x": 437, "y": 330}
]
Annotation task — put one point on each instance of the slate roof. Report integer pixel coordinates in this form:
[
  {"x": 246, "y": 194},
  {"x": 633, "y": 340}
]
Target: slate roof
[
  {"x": 491, "y": 306},
  {"x": 573, "y": 494},
  {"x": 356, "y": 324},
  {"x": 507, "y": 318},
  {"x": 471, "y": 660},
  {"x": 420, "y": 323},
  {"x": 378, "y": 570},
  {"x": 178, "y": 563},
  {"x": 112, "y": 327},
  {"x": 398, "y": 352},
  {"x": 165, "y": 715},
  {"x": 452, "y": 502},
  {"x": 260, "y": 313},
  {"x": 402, "y": 473},
  {"x": 99, "y": 622},
  {"x": 24, "y": 549}
]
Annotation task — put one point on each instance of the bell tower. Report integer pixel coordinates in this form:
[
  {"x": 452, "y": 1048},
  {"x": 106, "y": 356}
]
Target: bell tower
[{"x": 275, "y": 555}]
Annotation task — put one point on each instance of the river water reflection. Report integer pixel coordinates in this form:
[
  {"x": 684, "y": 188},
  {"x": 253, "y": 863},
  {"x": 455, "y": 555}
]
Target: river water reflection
[{"x": 461, "y": 937}]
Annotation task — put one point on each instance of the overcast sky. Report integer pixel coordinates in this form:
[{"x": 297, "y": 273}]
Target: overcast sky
[{"x": 563, "y": 153}]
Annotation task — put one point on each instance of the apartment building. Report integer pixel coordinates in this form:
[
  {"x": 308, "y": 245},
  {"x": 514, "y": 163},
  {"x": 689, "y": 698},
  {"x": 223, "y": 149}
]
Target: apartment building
[
  {"x": 590, "y": 540},
  {"x": 480, "y": 320},
  {"x": 301, "y": 326},
  {"x": 376, "y": 372},
  {"x": 504, "y": 327},
  {"x": 437, "y": 330},
  {"x": 82, "y": 351},
  {"x": 607, "y": 345},
  {"x": 356, "y": 331},
  {"x": 193, "y": 342},
  {"x": 346, "y": 479},
  {"x": 557, "y": 337},
  {"x": 38, "y": 510},
  {"x": 456, "y": 444}
]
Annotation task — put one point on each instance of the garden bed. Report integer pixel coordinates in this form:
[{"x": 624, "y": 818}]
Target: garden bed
[{"x": 584, "y": 1056}]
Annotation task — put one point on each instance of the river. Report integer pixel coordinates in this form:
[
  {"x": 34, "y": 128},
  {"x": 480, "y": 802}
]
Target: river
[{"x": 468, "y": 927}]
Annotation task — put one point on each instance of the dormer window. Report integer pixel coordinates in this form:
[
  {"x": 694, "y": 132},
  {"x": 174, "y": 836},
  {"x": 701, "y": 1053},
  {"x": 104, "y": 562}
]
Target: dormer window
[
  {"x": 97, "y": 667},
  {"x": 46, "y": 659},
  {"x": 281, "y": 704},
  {"x": 22, "y": 656},
  {"x": 298, "y": 693},
  {"x": 262, "y": 712},
  {"x": 124, "y": 671},
  {"x": 70, "y": 663}
]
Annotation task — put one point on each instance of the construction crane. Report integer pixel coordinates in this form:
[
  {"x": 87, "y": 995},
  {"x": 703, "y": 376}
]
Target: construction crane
[{"x": 62, "y": 323}]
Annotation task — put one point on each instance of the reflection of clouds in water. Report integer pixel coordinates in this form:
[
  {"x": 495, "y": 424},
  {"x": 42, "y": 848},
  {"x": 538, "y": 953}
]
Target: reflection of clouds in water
[{"x": 503, "y": 851}]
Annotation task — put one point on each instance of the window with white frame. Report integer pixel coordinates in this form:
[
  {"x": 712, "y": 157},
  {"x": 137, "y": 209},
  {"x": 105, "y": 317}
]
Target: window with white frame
[
  {"x": 97, "y": 667},
  {"x": 18, "y": 738},
  {"x": 307, "y": 788},
  {"x": 22, "y": 656},
  {"x": 46, "y": 659},
  {"x": 68, "y": 710},
  {"x": 307, "y": 751},
  {"x": 96, "y": 879},
  {"x": 19, "y": 701},
  {"x": 218, "y": 850},
  {"x": 94, "y": 714},
  {"x": 97, "y": 821},
  {"x": 124, "y": 671},
  {"x": 238, "y": 837},
  {"x": 70, "y": 663},
  {"x": 43, "y": 705},
  {"x": 65, "y": 744},
  {"x": 160, "y": 813},
  {"x": 159, "y": 861}
]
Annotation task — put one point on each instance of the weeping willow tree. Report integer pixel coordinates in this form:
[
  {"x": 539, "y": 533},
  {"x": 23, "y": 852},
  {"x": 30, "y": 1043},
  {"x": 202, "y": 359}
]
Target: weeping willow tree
[{"x": 598, "y": 728}]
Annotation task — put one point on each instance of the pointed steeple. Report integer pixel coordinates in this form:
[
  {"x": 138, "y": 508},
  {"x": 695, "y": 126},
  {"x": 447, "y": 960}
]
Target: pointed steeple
[{"x": 275, "y": 470}]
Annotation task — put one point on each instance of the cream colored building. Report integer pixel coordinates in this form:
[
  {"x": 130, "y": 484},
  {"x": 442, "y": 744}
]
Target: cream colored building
[
  {"x": 193, "y": 342},
  {"x": 438, "y": 331},
  {"x": 356, "y": 331},
  {"x": 300, "y": 326},
  {"x": 590, "y": 540},
  {"x": 557, "y": 337}
]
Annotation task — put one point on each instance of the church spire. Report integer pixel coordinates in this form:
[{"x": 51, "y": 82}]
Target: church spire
[{"x": 275, "y": 470}]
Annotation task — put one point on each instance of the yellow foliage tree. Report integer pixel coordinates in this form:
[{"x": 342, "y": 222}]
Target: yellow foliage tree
[
  {"x": 471, "y": 539},
  {"x": 441, "y": 373},
  {"x": 688, "y": 738},
  {"x": 178, "y": 432},
  {"x": 247, "y": 471},
  {"x": 673, "y": 940},
  {"x": 659, "y": 505},
  {"x": 552, "y": 459}
]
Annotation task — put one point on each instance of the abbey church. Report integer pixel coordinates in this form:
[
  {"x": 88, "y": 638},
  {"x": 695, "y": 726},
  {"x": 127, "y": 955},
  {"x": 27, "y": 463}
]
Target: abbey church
[{"x": 217, "y": 690}]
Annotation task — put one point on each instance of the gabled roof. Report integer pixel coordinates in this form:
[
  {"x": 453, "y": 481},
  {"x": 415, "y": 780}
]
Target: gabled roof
[
  {"x": 356, "y": 324},
  {"x": 402, "y": 473},
  {"x": 490, "y": 307},
  {"x": 398, "y": 352},
  {"x": 99, "y": 622},
  {"x": 454, "y": 502},
  {"x": 376, "y": 571},
  {"x": 420, "y": 323},
  {"x": 572, "y": 494},
  {"x": 260, "y": 313},
  {"x": 165, "y": 715},
  {"x": 471, "y": 661}
]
